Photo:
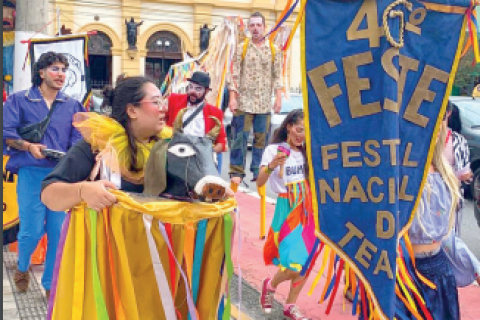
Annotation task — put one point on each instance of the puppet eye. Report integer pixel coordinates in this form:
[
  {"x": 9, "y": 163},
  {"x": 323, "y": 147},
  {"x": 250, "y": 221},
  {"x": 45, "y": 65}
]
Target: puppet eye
[{"x": 182, "y": 150}]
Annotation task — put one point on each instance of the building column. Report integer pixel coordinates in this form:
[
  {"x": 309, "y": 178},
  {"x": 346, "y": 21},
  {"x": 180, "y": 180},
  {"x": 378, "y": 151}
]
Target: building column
[
  {"x": 116, "y": 65},
  {"x": 130, "y": 8},
  {"x": 202, "y": 14}
]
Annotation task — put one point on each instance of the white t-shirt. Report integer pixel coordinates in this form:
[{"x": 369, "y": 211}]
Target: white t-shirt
[
  {"x": 197, "y": 126},
  {"x": 293, "y": 170}
]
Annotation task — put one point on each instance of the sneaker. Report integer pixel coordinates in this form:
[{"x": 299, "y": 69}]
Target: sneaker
[
  {"x": 294, "y": 313},
  {"x": 21, "y": 280},
  {"x": 266, "y": 298}
]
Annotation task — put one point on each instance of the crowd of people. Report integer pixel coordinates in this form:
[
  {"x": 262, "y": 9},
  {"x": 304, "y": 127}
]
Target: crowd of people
[{"x": 43, "y": 118}]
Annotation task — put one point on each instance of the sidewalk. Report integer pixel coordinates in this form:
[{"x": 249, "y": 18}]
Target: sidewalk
[
  {"x": 254, "y": 269},
  {"x": 31, "y": 305}
]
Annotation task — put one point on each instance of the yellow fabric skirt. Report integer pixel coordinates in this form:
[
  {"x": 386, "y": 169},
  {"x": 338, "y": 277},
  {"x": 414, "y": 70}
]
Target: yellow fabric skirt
[{"x": 108, "y": 263}]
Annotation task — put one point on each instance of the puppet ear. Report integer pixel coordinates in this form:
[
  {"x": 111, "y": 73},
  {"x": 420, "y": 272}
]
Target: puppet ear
[
  {"x": 178, "y": 124},
  {"x": 155, "y": 181}
]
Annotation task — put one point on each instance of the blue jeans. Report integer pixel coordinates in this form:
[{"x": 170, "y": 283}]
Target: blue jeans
[
  {"x": 242, "y": 123},
  {"x": 36, "y": 220}
]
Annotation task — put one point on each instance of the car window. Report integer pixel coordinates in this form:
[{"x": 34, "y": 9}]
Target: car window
[
  {"x": 295, "y": 102},
  {"x": 470, "y": 113}
]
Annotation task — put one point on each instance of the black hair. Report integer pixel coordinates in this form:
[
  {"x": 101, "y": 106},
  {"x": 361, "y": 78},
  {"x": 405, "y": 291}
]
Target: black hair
[
  {"x": 454, "y": 121},
  {"x": 281, "y": 133},
  {"x": 46, "y": 60},
  {"x": 128, "y": 91},
  {"x": 258, "y": 14}
]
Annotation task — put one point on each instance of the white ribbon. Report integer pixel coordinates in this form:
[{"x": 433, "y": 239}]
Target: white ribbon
[{"x": 162, "y": 283}]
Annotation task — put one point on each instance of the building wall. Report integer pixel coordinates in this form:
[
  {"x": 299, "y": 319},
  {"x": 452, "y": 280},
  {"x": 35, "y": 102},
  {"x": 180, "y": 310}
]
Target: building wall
[{"x": 182, "y": 17}]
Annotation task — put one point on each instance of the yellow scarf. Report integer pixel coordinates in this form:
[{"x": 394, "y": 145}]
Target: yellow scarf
[{"x": 102, "y": 132}]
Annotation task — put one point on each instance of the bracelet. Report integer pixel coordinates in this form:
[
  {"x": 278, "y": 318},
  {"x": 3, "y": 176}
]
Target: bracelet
[
  {"x": 80, "y": 190},
  {"x": 268, "y": 170}
]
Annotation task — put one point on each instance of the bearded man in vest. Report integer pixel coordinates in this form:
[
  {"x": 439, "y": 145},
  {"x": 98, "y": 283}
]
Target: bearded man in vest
[
  {"x": 199, "y": 117},
  {"x": 256, "y": 75}
]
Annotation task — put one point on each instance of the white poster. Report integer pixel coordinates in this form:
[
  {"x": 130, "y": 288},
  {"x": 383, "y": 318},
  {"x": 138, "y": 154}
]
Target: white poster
[{"x": 76, "y": 85}]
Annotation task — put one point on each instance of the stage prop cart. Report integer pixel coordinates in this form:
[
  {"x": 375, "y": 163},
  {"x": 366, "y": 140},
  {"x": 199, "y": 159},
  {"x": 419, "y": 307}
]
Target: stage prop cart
[{"x": 145, "y": 258}]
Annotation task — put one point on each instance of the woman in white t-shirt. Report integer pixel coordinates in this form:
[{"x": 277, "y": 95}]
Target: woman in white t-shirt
[{"x": 291, "y": 238}]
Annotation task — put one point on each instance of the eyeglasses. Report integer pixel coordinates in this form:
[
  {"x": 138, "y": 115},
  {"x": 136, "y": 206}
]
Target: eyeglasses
[
  {"x": 159, "y": 103},
  {"x": 57, "y": 69},
  {"x": 196, "y": 88}
]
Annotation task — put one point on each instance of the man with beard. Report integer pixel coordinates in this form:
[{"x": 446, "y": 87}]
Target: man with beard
[
  {"x": 43, "y": 102},
  {"x": 256, "y": 75},
  {"x": 197, "y": 119}
]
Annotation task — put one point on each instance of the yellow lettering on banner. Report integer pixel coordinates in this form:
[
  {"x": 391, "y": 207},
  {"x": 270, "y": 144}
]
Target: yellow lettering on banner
[
  {"x": 324, "y": 93},
  {"x": 326, "y": 157},
  {"x": 373, "y": 32},
  {"x": 347, "y": 154},
  {"x": 355, "y": 191},
  {"x": 383, "y": 264},
  {"x": 324, "y": 188},
  {"x": 406, "y": 159},
  {"x": 423, "y": 93},
  {"x": 392, "y": 188},
  {"x": 376, "y": 156},
  {"x": 352, "y": 232},
  {"x": 381, "y": 195},
  {"x": 416, "y": 18},
  {"x": 363, "y": 252},
  {"x": 390, "y": 219},
  {"x": 402, "y": 195},
  {"x": 406, "y": 64},
  {"x": 355, "y": 85},
  {"x": 392, "y": 143}
]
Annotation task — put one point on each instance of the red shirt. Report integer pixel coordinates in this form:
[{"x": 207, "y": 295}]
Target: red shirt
[{"x": 177, "y": 102}]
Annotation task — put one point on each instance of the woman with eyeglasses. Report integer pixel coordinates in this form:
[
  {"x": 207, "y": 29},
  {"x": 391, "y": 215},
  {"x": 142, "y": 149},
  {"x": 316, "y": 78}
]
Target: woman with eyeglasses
[
  {"x": 44, "y": 115},
  {"x": 137, "y": 121}
]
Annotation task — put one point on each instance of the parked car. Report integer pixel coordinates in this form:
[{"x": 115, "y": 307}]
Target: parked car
[
  {"x": 469, "y": 109},
  {"x": 294, "y": 102}
]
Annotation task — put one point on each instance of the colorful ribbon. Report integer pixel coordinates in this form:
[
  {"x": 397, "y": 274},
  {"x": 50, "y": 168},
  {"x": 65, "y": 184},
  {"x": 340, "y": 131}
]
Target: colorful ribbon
[
  {"x": 100, "y": 305},
  {"x": 160, "y": 276},
  {"x": 191, "y": 306},
  {"x": 58, "y": 262},
  {"x": 198, "y": 258}
]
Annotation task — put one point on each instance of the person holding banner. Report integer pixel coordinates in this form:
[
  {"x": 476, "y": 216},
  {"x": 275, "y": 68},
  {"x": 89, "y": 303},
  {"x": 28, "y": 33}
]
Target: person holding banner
[
  {"x": 34, "y": 120},
  {"x": 256, "y": 75},
  {"x": 440, "y": 256},
  {"x": 291, "y": 238},
  {"x": 138, "y": 119}
]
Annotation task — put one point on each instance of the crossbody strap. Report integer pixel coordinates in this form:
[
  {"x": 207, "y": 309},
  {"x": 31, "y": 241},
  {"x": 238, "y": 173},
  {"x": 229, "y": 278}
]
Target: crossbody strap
[{"x": 194, "y": 114}]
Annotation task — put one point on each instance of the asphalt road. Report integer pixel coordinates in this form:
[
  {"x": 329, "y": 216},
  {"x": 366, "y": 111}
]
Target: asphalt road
[{"x": 470, "y": 232}]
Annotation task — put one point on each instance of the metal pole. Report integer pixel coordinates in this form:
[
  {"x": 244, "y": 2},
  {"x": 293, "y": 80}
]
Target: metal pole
[{"x": 58, "y": 22}]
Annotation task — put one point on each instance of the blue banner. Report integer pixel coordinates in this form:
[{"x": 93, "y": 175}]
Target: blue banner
[{"x": 378, "y": 74}]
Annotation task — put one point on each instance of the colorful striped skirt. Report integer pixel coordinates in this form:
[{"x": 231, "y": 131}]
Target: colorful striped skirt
[{"x": 291, "y": 236}]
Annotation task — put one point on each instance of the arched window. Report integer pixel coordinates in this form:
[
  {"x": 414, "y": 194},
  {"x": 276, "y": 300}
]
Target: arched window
[
  {"x": 164, "y": 48},
  {"x": 100, "y": 44},
  {"x": 100, "y": 56}
]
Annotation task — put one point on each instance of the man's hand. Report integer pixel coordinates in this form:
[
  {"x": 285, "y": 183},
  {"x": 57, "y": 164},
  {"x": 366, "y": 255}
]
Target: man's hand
[
  {"x": 233, "y": 105},
  {"x": 96, "y": 195},
  {"x": 36, "y": 150},
  {"x": 277, "y": 106}
]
